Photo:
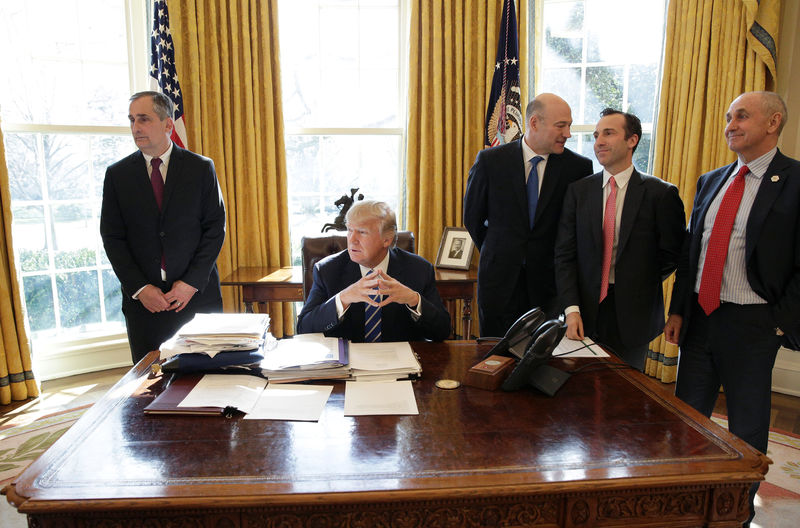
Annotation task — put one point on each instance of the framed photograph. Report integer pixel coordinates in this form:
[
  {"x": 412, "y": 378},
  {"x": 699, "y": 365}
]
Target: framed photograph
[{"x": 455, "y": 250}]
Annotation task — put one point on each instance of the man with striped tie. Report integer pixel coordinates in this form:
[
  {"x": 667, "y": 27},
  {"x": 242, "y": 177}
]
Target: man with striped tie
[{"x": 374, "y": 291}]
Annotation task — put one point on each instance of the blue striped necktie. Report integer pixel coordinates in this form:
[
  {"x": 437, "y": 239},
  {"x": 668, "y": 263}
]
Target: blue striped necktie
[
  {"x": 372, "y": 320},
  {"x": 533, "y": 189}
]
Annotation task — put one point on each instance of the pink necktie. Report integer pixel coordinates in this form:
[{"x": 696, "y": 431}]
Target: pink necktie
[
  {"x": 157, "y": 181},
  {"x": 609, "y": 223},
  {"x": 717, "y": 251}
]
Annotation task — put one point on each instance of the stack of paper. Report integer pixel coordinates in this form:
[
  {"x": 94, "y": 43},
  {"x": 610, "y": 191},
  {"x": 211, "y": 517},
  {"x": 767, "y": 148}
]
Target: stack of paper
[
  {"x": 383, "y": 361},
  {"x": 306, "y": 357},
  {"x": 211, "y": 341}
]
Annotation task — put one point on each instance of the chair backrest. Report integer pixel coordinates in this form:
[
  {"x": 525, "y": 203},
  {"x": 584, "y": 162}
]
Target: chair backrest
[{"x": 315, "y": 248}]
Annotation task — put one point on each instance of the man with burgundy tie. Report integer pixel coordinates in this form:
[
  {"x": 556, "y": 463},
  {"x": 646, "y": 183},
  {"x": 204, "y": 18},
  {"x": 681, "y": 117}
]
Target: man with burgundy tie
[
  {"x": 511, "y": 209},
  {"x": 373, "y": 291},
  {"x": 620, "y": 236},
  {"x": 163, "y": 224},
  {"x": 736, "y": 298}
]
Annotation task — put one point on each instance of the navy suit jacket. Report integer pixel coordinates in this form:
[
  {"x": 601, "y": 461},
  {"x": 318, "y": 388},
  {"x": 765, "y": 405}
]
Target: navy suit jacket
[
  {"x": 336, "y": 272},
  {"x": 772, "y": 244},
  {"x": 190, "y": 226},
  {"x": 496, "y": 216},
  {"x": 651, "y": 234}
]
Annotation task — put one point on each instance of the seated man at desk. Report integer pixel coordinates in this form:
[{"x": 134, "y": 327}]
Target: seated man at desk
[{"x": 374, "y": 291}]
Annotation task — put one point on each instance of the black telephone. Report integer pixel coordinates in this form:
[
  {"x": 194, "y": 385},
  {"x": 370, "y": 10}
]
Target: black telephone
[
  {"x": 520, "y": 336},
  {"x": 533, "y": 369}
]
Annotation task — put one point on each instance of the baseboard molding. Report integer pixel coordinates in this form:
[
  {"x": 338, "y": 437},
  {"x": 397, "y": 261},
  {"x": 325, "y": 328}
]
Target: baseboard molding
[
  {"x": 63, "y": 361},
  {"x": 786, "y": 373}
]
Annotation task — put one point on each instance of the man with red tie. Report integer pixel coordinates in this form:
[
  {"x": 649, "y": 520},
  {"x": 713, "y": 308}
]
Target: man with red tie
[
  {"x": 163, "y": 224},
  {"x": 620, "y": 236},
  {"x": 736, "y": 298}
]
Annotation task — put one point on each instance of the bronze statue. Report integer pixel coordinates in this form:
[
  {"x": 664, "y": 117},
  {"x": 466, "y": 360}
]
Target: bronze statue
[{"x": 344, "y": 203}]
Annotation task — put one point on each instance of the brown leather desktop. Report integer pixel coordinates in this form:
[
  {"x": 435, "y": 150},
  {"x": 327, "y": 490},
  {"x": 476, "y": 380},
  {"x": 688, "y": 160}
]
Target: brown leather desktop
[{"x": 606, "y": 450}]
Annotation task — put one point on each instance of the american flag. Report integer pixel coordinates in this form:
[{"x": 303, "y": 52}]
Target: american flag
[
  {"x": 163, "y": 75},
  {"x": 504, "y": 113}
]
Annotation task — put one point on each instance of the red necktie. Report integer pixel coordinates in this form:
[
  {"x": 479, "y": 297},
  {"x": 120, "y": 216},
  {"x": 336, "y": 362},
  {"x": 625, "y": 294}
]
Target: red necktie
[
  {"x": 717, "y": 251},
  {"x": 157, "y": 181},
  {"x": 609, "y": 223}
]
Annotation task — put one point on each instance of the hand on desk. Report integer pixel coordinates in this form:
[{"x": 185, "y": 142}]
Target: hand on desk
[{"x": 574, "y": 326}]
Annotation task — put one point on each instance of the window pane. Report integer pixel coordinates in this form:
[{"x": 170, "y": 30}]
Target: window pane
[
  {"x": 624, "y": 31},
  {"x": 642, "y": 91},
  {"x": 74, "y": 236},
  {"x": 563, "y": 25},
  {"x": 566, "y": 82},
  {"x": 39, "y": 302},
  {"x": 78, "y": 297},
  {"x": 28, "y": 229},
  {"x": 69, "y": 59},
  {"x": 67, "y": 166},
  {"x": 641, "y": 155},
  {"x": 603, "y": 89},
  {"x": 112, "y": 296},
  {"x": 340, "y": 63},
  {"x": 105, "y": 151},
  {"x": 24, "y": 178}
]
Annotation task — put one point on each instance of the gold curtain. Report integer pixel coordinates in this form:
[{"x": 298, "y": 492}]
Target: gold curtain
[
  {"x": 453, "y": 44},
  {"x": 714, "y": 51},
  {"x": 227, "y": 57},
  {"x": 16, "y": 376}
]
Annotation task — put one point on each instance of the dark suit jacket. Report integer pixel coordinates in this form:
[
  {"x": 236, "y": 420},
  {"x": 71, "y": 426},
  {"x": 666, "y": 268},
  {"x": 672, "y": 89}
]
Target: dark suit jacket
[
  {"x": 651, "y": 235},
  {"x": 336, "y": 272},
  {"x": 772, "y": 244},
  {"x": 496, "y": 195},
  {"x": 190, "y": 227}
]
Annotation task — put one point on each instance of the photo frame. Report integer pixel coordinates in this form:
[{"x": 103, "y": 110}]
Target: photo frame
[{"x": 455, "y": 249}]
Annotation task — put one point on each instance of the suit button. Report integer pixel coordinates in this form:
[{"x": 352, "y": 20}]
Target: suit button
[{"x": 162, "y": 234}]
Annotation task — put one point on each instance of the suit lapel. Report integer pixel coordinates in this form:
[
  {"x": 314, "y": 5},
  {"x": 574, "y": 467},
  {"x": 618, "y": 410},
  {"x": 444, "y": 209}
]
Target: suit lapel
[
  {"x": 594, "y": 209},
  {"x": 702, "y": 207},
  {"x": 141, "y": 180},
  {"x": 516, "y": 171},
  {"x": 768, "y": 191},
  {"x": 174, "y": 173},
  {"x": 630, "y": 207},
  {"x": 553, "y": 167}
]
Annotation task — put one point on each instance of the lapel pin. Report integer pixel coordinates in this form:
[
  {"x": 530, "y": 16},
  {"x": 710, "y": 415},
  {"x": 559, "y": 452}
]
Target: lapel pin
[{"x": 775, "y": 178}]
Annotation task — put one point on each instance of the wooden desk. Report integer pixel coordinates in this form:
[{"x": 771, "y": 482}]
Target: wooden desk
[
  {"x": 607, "y": 450},
  {"x": 264, "y": 284}
]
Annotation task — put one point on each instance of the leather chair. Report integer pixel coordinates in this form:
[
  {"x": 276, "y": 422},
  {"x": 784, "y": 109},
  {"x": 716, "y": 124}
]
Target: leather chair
[{"x": 315, "y": 248}]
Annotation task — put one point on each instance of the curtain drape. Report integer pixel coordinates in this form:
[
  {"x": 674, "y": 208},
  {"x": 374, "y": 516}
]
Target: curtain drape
[
  {"x": 16, "y": 375},
  {"x": 714, "y": 51},
  {"x": 227, "y": 56},
  {"x": 453, "y": 44}
]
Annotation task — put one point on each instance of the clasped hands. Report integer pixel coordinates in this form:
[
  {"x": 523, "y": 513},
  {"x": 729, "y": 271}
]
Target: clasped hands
[
  {"x": 176, "y": 299},
  {"x": 379, "y": 283}
]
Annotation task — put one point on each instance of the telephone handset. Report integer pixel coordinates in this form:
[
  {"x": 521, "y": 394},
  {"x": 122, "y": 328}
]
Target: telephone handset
[
  {"x": 519, "y": 337},
  {"x": 533, "y": 369}
]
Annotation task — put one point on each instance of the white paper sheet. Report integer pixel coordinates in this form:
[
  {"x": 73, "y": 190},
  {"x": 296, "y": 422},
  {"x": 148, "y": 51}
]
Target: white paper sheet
[
  {"x": 225, "y": 390},
  {"x": 574, "y": 348},
  {"x": 382, "y": 356},
  {"x": 379, "y": 397},
  {"x": 291, "y": 402}
]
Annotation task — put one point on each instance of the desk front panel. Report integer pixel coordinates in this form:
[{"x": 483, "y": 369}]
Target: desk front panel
[{"x": 605, "y": 432}]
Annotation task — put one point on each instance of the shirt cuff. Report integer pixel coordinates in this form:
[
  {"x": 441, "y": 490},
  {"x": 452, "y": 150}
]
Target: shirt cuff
[
  {"x": 136, "y": 295},
  {"x": 572, "y": 309},
  {"x": 416, "y": 313},
  {"x": 340, "y": 309}
]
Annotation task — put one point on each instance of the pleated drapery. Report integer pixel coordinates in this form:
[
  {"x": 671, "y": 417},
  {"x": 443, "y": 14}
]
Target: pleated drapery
[
  {"x": 16, "y": 375},
  {"x": 227, "y": 56},
  {"x": 715, "y": 50}
]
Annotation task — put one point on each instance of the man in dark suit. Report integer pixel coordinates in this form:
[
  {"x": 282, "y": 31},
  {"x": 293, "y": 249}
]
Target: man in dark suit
[
  {"x": 374, "y": 291},
  {"x": 163, "y": 224},
  {"x": 737, "y": 291},
  {"x": 620, "y": 236},
  {"x": 514, "y": 224}
]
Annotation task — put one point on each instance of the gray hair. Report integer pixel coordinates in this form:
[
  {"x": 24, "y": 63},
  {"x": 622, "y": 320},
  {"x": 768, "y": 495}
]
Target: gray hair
[{"x": 162, "y": 105}]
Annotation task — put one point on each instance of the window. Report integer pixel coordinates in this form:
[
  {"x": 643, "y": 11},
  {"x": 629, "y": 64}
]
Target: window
[
  {"x": 343, "y": 106},
  {"x": 64, "y": 114},
  {"x": 600, "y": 53}
]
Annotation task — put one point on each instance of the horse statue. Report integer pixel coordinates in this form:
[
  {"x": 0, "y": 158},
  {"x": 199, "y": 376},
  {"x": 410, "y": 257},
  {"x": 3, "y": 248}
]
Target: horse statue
[{"x": 344, "y": 203}]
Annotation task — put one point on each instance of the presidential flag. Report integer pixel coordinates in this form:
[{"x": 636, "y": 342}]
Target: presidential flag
[
  {"x": 163, "y": 75},
  {"x": 504, "y": 112}
]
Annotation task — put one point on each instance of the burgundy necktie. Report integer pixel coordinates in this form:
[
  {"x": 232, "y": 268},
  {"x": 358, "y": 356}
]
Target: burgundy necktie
[
  {"x": 717, "y": 251},
  {"x": 157, "y": 181},
  {"x": 609, "y": 224}
]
